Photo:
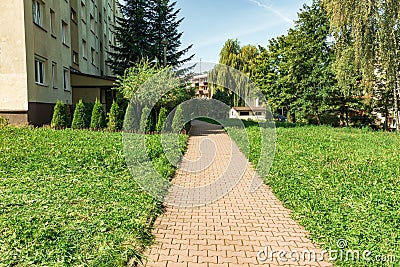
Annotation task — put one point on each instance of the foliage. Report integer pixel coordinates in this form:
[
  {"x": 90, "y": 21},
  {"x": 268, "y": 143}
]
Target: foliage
[
  {"x": 79, "y": 120},
  {"x": 60, "y": 118},
  {"x": 295, "y": 71},
  {"x": 88, "y": 113},
  {"x": 115, "y": 119},
  {"x": 131, "y": 119},
  {"x": 238, "y": 58},
  {"x": 371, "y": 30},
  {"x": 3, "y": 122},
  {"x": 223, "y": 96},
  {"x": 146, "y": 121},
  {"x": 136, "y": 77},
  {"x": 98, "y": 120},
  {"x": 339, "y": 184},
  {"x": 162, "y": 117},
  {"x": 72, "y": 195},
  {"x": 140, "y": 31},
  {"x": 177, "y": 122}
]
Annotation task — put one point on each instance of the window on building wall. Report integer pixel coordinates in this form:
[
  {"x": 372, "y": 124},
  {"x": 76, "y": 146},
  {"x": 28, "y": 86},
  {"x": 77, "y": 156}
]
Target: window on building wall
[
  {"x": 64, "y": 32},
  {"x": 39, "y": 71},
  {"x": 84, "y": 49},
  {"x": 37, "y": 12},
  {"x": 66, "y": 79},
  {"x": 74, "y": 16},
  {"x": 54, "y": 75},
  {"x": 93, "y": 56},
  {"x": 52, "y": 21},
  {"x": 75, "y": 57},
  {"x": 83, "y": 11},
  {"x": 92, "y": 23}
]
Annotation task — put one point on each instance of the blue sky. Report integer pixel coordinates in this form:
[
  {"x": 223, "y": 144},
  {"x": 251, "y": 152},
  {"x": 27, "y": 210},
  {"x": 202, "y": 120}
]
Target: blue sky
[{"x": 209, "y": 23}]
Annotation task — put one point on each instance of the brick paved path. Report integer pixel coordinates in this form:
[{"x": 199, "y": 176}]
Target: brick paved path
[{"x": 232, "y": 230}]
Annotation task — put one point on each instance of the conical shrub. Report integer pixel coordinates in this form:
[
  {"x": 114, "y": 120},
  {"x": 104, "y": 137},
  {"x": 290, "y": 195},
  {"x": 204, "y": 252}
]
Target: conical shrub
[
  {"x": 162, "y": 117},
  {"x": 177, "y": 122},
  {"x": 98, "y": 120},
  {"x": 78, "y": 122},
  {"x": 130, "y": 121},
  {"x": 60, "y": 118},
  {"x": 115, "y": 118}
]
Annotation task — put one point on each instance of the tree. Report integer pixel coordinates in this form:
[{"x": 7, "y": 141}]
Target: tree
[
  {"x": 115, "y": 120},
  {"x": 131, "y": 119},
  {"x": 162, "y": 117},
  {"x": 140, "y": 34},
  {"x": 239, "y": 58},
  {"x": 177, "y": 122},
  {"x": 132, "y": 36},
  {"x": 98, "y": 120},
  {"x": 165, "y": 25},
  {"x": 372, "y": 29},
  {"x": 60, "y": 118},
  {"x": 295, "y": 71},
  {"x": 78, "y": 122},
  {"x": 145, "y": 120}
]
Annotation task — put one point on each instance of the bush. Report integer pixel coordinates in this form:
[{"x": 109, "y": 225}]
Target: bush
[
  {"x": 162, "y": 117},
  {"x": 3, "y": 122},
  {"x": 130, "y": 122},
  {"x": 115, "y": 118},
  {"x": 88, "y": 113},
  {"x": 60, "y": 118},
  {"x": 98, "y": 120},
  {"x": 177, "y": 122},
  {"x": 146, "y": 121},
  {"x": 78, "y": 122}
]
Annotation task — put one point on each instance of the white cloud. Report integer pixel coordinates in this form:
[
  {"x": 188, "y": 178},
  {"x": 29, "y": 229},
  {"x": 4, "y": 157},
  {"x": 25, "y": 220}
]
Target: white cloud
[{"x": 274, "y": 10}]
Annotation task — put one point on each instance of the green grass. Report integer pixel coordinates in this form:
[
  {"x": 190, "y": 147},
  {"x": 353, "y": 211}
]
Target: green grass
[
  {"x": 339, "y": 184},
  {"x": 67, "y": 199}
]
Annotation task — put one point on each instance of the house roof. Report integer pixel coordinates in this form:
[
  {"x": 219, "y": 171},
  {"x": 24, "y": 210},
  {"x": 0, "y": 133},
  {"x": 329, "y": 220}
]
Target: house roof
[{"x": 249, "y": 108}]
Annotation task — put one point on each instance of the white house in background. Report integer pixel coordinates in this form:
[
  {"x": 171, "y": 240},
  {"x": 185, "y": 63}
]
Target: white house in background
[{"x": 248, "y": 113}]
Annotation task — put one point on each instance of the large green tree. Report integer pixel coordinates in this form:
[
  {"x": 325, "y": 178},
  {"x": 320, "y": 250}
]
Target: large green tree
[
  {"x": 141, "y": 32},
  {"x": 239, "y": 58},
  {"x": 295, "y": 71},
  {"x": 372, "y": 29}
]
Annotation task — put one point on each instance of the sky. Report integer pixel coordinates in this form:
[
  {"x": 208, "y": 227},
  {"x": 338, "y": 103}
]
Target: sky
[{"x": 208, "y": 24}]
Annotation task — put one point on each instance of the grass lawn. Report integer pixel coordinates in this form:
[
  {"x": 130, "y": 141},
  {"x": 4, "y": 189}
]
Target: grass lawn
[
  {"x": 67, "y": 199},
  {"x": 340, "y": 184}
]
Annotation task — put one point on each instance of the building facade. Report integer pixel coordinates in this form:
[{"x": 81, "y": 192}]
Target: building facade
[
  {"x": 200, "y": 85},
  {"x": 54, "y": 50}
]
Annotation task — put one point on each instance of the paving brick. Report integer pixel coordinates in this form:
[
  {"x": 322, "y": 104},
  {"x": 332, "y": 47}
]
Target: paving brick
[{"x": 232, "y": 230}]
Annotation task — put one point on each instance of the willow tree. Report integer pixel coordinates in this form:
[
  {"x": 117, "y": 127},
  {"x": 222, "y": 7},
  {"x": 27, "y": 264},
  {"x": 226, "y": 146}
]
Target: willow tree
[
  {"x": 242, "y": 59},
  {"x": 372, "y": 28}
]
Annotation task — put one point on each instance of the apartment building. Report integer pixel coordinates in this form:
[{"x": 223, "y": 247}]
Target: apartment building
[
  {"x": 54, "y": 50},
  {"x": 200, "y": 84}
]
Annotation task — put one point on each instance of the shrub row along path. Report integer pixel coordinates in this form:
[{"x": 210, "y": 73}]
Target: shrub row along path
[{"x": 232, "y": 230}]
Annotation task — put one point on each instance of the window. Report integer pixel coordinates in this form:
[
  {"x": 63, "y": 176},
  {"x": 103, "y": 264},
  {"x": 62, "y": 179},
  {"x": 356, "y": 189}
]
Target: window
[
  {"x": 92, "y": 23},
  {"x": 52, "y": 21},
  {"x": 39, "y": 71},
  {"x": 75, "y": 57},
  {"x": 64, "y": 32},
  {"x": 83, "y": 11},
  {"x": 93, "y": 54},
  {"x": 66, "y": 79},
  {"x": 84, "y": 49},
  {"x": 54, "y": 74},
  {"x": 244, "y": 113},
  {"x": 73, "y": 15},
  {"x": 37, "y": 12}
]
